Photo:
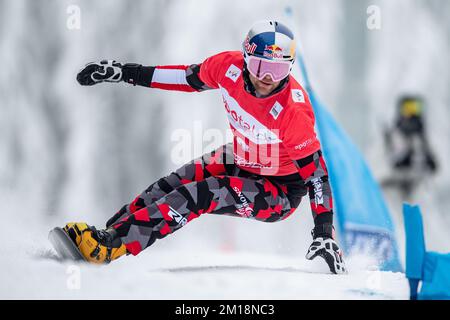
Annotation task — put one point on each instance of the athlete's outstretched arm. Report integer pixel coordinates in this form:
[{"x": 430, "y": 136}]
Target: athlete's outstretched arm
[
  {"x": 179, "y": 78},
  {"x": 187, "y": 78}
]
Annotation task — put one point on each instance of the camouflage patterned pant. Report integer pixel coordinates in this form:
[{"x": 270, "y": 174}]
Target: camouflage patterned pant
[{"x": 211, "y": 184}]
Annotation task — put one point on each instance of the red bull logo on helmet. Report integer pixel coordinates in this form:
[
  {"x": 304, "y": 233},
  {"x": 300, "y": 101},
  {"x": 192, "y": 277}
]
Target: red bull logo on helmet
[
  {"x": 273, "y": 51},
  {"x": 249, "y": 48}
]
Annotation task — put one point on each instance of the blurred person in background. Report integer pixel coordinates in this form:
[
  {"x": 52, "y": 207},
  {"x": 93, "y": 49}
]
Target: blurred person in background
[
  {"x": 274, "y": 161},
  {"x": 406, "y": 141}
]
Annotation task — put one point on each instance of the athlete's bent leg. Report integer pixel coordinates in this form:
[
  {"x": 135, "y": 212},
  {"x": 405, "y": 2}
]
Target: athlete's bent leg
[
  {"x": 217, "y": 162},
  {"x": 252, "y": 198}
]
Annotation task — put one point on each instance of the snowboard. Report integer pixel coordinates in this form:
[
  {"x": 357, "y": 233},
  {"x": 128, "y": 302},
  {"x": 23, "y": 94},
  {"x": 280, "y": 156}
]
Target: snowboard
[{"x": 64, "y": 246}]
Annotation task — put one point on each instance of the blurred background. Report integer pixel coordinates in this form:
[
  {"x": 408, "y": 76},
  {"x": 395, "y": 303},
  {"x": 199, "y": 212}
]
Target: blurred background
[{"x": 79, "y": 153}]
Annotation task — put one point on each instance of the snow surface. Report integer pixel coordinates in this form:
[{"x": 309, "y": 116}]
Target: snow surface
[
  {"x": 32, "y": 270},
  {"x": 193, "y": 275}
]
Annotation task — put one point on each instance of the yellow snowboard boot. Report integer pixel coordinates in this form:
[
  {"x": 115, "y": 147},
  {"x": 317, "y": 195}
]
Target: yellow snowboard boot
[{"x": 96, "y": 246}]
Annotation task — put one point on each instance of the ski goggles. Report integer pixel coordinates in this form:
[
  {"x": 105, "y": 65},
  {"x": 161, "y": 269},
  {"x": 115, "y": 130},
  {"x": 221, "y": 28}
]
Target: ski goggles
[{"x": 259, "y": 68}]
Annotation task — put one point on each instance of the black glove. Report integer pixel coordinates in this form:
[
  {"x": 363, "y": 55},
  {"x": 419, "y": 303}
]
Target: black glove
[
  {"x": 324, "y": 246},
  {"x": 103, "y": 71}
]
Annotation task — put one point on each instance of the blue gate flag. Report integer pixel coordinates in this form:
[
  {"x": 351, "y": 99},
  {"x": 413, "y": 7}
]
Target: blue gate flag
[{"x": 430, "y": 268}]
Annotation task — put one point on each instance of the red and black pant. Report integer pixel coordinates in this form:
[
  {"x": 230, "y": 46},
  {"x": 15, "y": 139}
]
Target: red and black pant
[{"x": 211, "y": 184}]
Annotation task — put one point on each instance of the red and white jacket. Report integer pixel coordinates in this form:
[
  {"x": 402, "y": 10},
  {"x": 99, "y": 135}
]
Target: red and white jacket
[{"x": 273, "y": 136}]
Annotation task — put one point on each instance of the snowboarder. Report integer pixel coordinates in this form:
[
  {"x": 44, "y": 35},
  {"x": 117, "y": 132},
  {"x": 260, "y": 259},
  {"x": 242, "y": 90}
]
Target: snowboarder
[
  {"x": 274, "y": 160},
  {"x": 407, "y": 142}
]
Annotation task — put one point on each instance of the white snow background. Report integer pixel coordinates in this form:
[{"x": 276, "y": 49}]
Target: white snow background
[{"x": 72, "y": 153}]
